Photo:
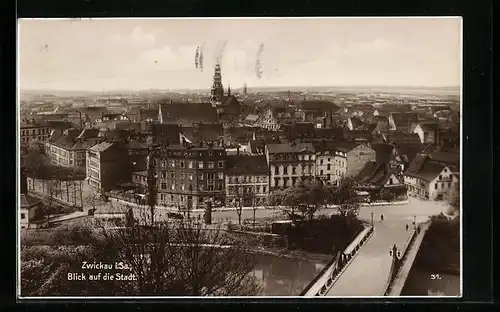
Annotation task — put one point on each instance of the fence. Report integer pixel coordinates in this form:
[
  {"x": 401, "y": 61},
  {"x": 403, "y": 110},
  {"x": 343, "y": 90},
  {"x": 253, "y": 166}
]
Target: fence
[
  {"x": 337, "y": 266},
  {"x": 397, "y": 262}
]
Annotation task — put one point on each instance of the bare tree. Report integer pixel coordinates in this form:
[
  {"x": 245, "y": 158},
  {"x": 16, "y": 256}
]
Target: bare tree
[{"x": 184, "y": 257}]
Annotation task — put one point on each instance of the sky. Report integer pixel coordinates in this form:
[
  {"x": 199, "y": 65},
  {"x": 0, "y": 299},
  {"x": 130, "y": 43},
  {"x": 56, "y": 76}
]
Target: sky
[{"x": 139, "y": 54}]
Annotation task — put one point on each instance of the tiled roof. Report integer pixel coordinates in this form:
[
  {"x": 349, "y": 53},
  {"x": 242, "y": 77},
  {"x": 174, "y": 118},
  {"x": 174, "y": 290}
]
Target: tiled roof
[
  {"x": 375, "y": 174},
  {"x": 290, "y": 148},
  {"x": 246, "y": 164},
  {"x": 189, "y": 112},
  {"x": 166, "y": 132},
  {"x": 424, "y": 168},
  {"x": 446, "y": 157},
  {"x": 405, "y": 118},
  {"x": 148, "y": 113},
  {"x": 252, "y": 118},
  {"x": 101, "y": 147},
  {"x": 328, "y": 133}
]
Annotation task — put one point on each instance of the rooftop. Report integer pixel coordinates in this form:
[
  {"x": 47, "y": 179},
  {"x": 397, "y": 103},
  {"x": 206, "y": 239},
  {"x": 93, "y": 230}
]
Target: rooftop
[{"x": 246, "y": 164}]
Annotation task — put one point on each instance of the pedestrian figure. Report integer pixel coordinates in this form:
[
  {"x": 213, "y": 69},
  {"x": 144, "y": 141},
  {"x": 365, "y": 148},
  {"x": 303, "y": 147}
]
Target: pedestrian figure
[
  {"x": 381, "y": 217},
  {"x": 407, "y": 226}
]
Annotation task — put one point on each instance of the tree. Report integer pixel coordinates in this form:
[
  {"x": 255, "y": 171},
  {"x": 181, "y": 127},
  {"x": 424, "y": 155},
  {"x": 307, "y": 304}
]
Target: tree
[
  {"x": 302, "y": 201},
  {"x": 345, "y": 196},
  {"x": 454, "y": 198}
]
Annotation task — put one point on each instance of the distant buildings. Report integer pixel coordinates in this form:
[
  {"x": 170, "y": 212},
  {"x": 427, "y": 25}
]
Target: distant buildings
[{"x": 69, "y": 148}]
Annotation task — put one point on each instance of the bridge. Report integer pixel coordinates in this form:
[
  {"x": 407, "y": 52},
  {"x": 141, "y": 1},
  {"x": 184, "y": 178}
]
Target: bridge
[{"x": 377, "y": 263}]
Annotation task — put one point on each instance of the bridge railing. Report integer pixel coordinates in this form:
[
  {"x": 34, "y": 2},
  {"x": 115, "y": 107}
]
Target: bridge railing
[
  {"x": 397, "y": 262},
  {"x": 331, "y": 273}
]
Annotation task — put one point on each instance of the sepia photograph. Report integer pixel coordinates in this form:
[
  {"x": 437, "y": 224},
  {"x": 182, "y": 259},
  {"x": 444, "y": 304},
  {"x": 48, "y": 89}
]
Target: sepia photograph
[{"x": 239, "y": 157}]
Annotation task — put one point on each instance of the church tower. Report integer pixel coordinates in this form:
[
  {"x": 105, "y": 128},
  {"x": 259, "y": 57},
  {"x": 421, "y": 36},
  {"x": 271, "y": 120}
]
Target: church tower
[{"x": 217, "y": 92}]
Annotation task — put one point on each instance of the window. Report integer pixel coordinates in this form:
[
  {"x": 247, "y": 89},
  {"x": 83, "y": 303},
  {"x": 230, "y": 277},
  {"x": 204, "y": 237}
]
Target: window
[
  {"x": 294, "y": 170},
  {"x": 276, "y": 181},
  {"x": 321, "y": 161},
  {"x": 210, "y": 188},
  {"x": 221, "y": 164},
  {"x": 164, "y": 186},
  {"x": 161, "y": 197},
  {"x": 200, "y": 164},
  {"x": 23, "y": 216},
  {"x": 173, "y": 187},
  {"x": 321, "y": 172},
  {"x": 285, "y": 169},
  {"x": 171, "y": 163},
  {"x": 172, "y": 198},
  {"x": 172, "y": 175},
  {"x": 306, "y": 157},
  {"x": 200, "y": 176},
  {"x": 328, "y": 176},
  {"x": 221, "y": 175},
  {"x": 435, "y": 186},
  {"x": 445, "y": 170},
  {"x": 163, "y": 174},
  {"x": 210, "y": 164},
  {"x": 190, "y": 164},
  {"x": 210, "y": 176},
  {"x": 276, "y": 170},
  {"x": 264, "y": 189},
  {"x": 328, "y": 167},
  {"x": 440, "y": 177},
  {"x": 390, "y": 181},
  {"x": 182, "y": 186},
  {"x": 183, "y": 175},
  {"x": 190, "y": 176},
  {"x": 329, "y": 159},
  {"x": 182, "y": 163}
]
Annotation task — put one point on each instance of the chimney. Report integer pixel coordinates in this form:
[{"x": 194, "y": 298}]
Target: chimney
[
  {"x": 253, "y": 136},
  {"x": 238, "y": 150}
]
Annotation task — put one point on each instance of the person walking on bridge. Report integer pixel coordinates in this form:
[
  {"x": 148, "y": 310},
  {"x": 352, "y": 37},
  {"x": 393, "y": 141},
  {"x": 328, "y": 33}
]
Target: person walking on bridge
[
  {"x": 381, "y": 217},
  {"x": 406, "y": 226}
]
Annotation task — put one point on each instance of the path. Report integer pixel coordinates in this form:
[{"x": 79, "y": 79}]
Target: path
[{"x": 368, "y": 272}]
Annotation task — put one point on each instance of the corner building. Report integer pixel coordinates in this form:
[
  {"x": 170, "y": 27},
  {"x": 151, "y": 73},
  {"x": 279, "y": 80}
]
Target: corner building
[{"x": 188, "y": 177}]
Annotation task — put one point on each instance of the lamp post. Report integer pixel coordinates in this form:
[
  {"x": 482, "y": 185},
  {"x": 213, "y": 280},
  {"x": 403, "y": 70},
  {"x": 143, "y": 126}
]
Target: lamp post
[{"x": 372, "y": 218}]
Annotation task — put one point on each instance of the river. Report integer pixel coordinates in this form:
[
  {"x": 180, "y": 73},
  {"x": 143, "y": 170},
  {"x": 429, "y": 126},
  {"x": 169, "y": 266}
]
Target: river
[{"x": 281, "y": 276}]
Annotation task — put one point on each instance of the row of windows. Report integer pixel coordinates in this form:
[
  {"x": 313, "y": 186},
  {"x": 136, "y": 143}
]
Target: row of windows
[
  {"x": 442, "y": 185},
  {"x": 190, "y": 164},
  {"x": 294, "y": 156},
  {"x": 39, "y": 138},
  {"x": 284, "y": 169},
  {"x": 286, "y": 181},
  {"x": 248, "y": 179},
  {"x": 28, "y": 132},
  {"x": 190, "y": 175},
  {"x": 233, "y": 190},
  {"x": 183, "y": 187}
]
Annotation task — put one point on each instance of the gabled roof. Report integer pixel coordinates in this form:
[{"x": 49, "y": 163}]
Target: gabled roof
[
  {"x": 383, "y": 152},
  {"x": 166, "y": 133},
  {"x": 429, "y": 126},
  {"x": 424, "y": 168},
  {"x": 189, "y": 112},
  {"x": 88, "y": 133},
  {"x": 101, "y": 147},
  {"x": 277, "y": 148},
  {"x": 246, "y": 164},
  {"x": 356, "y": 122},
  {"x": 446, "y": 157},
  {"x": 375, "y": 174},
  {"x": 328, "y": 133},
  {"x": 401, "y": 118},
  {"x": 84, "y": 144}
]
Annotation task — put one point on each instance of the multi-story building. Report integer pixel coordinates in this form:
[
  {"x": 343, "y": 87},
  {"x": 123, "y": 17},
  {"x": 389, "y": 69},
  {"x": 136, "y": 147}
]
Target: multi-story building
[
  {"x": 329, "y": 162},
  {"x": 32, "y": 130},
  {"x": 267, "y": 120},
  {"x": 429, "y": 179},
  {"x": 290, "y": 163},
  {"x": 247, "y": 180},
  {"x": 188, "y": 177},
  {"x": 69, "y": 149},
  {"x": 107, "y": 165}
]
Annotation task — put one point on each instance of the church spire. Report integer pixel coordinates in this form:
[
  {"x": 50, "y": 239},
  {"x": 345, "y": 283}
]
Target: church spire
[
  {"x": 217, "y": 92},
  {"x": 228, "y": 90}
]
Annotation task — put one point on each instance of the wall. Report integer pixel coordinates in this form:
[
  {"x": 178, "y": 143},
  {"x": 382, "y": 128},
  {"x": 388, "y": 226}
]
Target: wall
[{"x": 357, "y": 158}]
